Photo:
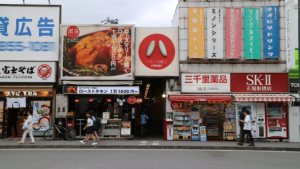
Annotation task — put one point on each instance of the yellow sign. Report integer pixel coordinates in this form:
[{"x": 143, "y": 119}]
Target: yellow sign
[
  {"x": 185, "y": 137},
  {"x": 229, "y": 127},
  {"x": 176, "y": 136},
  {"x": 196, "y": 33},
  {"x": 230, "y": 137}
]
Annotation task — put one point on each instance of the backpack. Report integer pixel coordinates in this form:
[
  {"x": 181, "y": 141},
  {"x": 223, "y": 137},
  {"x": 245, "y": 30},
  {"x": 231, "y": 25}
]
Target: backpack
[{"x": 97, "y": 123}]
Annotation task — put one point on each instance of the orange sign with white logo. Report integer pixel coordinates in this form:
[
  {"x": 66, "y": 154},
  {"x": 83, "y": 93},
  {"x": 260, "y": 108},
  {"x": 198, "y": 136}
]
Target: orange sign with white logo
[{"x": 196, "y": 33}]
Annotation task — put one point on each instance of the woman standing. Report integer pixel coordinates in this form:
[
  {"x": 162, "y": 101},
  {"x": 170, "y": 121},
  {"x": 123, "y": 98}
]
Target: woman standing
[{"x": 28, "y": 130}]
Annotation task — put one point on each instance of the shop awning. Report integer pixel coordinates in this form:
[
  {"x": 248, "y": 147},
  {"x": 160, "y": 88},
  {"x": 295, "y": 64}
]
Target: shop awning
[
  {"x": 263, "y": 97},
  {"x": 221, "y": 98}
]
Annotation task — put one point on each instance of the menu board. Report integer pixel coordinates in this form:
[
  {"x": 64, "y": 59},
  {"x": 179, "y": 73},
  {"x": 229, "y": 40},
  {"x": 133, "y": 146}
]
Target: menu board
[{"x": 41, "y": 115}]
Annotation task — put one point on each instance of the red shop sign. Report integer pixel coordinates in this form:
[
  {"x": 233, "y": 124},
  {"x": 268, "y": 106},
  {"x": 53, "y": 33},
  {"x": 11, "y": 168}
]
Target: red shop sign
[
  {"x": 131, "y": 99},
  {"x": 259, "y": 82},
  {"x": 176, "y": 105}
]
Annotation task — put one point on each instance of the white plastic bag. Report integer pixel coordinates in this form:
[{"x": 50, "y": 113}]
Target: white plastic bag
[{"x": 25, "y": 126}]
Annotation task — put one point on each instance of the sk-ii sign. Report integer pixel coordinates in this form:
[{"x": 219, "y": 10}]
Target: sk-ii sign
[
  {"x": 29, "y": 33},
  {"x": 259, "y": 82}
]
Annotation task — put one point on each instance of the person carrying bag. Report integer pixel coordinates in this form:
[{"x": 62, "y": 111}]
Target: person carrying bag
[{"x": 27, "y": 126}]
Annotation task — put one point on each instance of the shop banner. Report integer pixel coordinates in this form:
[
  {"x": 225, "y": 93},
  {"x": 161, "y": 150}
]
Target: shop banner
[
  {"x": 41, "y": 115},
  {"x": 271, "y": 32},
  {"x": 259, "y": 82},
  {"x": 27, "y": 72},
  {"x": 29, "y": 33},
  {"x": 289, "y": 28},
  {"x": 97, "y": 52},
  {"x": 294, "y": 85},
  {"x": 205, "y": 83},
  {"x": 101, "y": 90},
  {"x": 214, "y": 33},
  {"x": 196, "y": 33},
  {"x": 233, "y": 33},
  {"x": 252, "y": 33},
  {"x": 157, "y": 52}
]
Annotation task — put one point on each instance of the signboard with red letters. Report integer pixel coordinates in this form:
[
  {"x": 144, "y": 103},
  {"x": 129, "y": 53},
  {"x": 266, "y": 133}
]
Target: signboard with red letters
[
  {"x": 205, "y": 83},
  {"x": 260, "y": 82}
]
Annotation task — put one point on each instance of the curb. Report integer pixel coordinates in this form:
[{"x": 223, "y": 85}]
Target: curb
[{"x": 147, "y": 147}]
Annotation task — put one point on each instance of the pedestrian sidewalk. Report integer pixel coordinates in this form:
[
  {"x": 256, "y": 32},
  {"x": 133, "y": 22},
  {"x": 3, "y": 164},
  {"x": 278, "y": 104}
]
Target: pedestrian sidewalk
[{"x": 140, "y": 143}]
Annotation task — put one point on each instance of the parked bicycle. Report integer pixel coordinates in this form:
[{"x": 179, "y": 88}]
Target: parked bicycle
[{"x": 59, "y": 132}]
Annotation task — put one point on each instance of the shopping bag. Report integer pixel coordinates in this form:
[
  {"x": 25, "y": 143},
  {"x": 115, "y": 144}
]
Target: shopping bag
[{"x": 25, "y": 126}]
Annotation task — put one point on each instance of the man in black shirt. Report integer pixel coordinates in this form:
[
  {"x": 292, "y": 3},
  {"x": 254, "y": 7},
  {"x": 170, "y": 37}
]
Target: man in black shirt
[{"x": 241, "y": 124}]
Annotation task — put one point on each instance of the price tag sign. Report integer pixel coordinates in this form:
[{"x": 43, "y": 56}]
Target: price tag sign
[
  {"x": 185, "y": 137},
  {"x": 229, "y": 127},
  {"x": 103, "y": 121},
  {"x": 176, "y": 137},
  {"x": 230, "y": 137}
]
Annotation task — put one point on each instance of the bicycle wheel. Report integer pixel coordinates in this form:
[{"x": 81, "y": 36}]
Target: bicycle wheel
[
  {"x": 70, "y": 134},
  {"x": 49, "y": 134}
]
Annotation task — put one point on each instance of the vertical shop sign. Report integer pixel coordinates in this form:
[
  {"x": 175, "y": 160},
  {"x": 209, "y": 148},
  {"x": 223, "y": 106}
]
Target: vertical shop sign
[
  {"x": 290, "y": 53},
  {"x": 214, "y": 33},
  {"x": 252, "y": 33},
  {"x": 196, "y": 33},
  {"x": 271, "y": 31},
  {"x": 233, "y": 33}
]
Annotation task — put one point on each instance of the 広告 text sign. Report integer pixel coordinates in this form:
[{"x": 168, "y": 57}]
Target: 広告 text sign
[
  {"x": 259, "y": 82},
  {"x": 271, "y": 31},
  {"x": 252, "y": 33},
  {"x": 205, "y": 83},
  {"x": 29, "y": 33},
  {"x": 27, "y": 72},
  {"x": 214, "y": 33},
  {"x": 233, "y": 33}
]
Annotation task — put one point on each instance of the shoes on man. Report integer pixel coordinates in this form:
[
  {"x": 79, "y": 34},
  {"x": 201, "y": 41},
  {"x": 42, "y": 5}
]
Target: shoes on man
[
  {"x": 20, "y": 142},
  {"x": 240, "y": 144},
  {"x": 82, "y": 142},
  {"x": 251, "y": 144},
  {"x": 31, "y": 143},
  {"x": 94, "y": 143}
]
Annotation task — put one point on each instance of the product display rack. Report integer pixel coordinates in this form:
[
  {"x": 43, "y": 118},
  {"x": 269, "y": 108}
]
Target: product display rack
[
  {"x": 195, "y": 128},
  {"x": 229, "y": 126},
  {"x": 181, "y": 126}
]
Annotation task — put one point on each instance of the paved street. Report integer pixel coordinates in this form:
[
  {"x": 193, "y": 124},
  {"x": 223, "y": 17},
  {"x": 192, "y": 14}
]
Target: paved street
[{"x": 128, "y": 159}]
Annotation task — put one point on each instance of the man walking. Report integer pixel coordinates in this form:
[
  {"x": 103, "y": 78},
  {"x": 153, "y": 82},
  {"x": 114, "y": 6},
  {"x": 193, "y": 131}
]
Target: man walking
[
  {"x": 241, "y": 124},
  {"x": 144, "y": 119},
  {"x": 247, "y": 128}
]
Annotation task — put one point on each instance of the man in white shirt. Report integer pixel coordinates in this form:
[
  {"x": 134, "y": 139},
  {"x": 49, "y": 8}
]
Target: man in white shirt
[{"x": 247, "y": 128}]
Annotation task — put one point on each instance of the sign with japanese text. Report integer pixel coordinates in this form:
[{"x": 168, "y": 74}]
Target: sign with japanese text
[
  {"x": 259, "y": 82},
  {"x": 101, "y": 90},
  {"x": 271, "y": 32},
  {"x": 233, "y": 33},
  {"x": 252, "y": 33},
  {"x": 214, "y": 33},
  {"x": 29, "y": 33},
  {"x": 97, "y": 52},
  {"x": 157, "y": 52},
  {"x": 289, "y": 25},
  {"x": 131, "y": 99},
  {"x": 196, "y": 33},
  {"x": 205, "y": 83},
  {"x": 27, "y": 72}
]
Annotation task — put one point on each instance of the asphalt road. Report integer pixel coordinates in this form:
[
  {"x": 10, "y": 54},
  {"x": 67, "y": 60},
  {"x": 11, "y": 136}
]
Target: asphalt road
[{"x": 144, "y": 159}]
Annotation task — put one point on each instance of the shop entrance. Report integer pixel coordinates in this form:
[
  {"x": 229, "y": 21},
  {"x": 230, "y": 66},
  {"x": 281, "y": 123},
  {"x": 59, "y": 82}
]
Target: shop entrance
[{"x": 123, "y": 114}]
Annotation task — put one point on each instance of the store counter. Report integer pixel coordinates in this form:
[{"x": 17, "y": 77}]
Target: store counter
[{"x": 111, "y": 128}]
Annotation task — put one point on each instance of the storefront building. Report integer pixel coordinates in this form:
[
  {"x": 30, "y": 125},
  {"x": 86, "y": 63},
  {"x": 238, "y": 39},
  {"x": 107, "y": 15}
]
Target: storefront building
[
  {"x": 224, "y": 68},
  {"x": 116, "y": 72},
  {"x": 29, "y": 56}
]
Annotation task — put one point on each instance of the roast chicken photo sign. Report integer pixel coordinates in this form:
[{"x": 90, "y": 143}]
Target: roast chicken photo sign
[{"x": 97, "y": 52}]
